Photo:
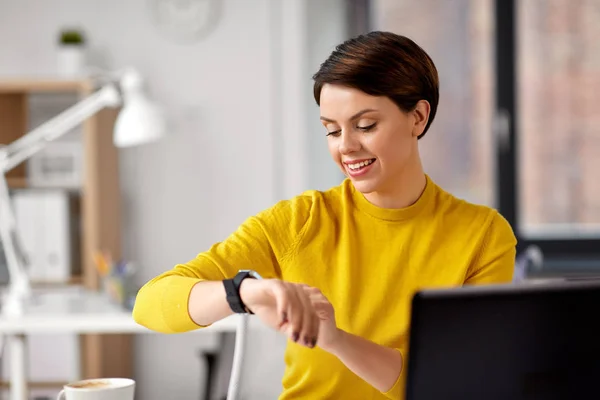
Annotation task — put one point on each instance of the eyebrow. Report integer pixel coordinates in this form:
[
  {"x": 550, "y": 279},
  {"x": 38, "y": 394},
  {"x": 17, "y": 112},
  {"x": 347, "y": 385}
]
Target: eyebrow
[{"x": 358, "y": 114}]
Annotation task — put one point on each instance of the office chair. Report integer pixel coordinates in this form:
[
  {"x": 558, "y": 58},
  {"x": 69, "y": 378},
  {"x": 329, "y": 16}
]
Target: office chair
[
  {"x": 530, "y": 260},
  {"x": 238, "y": 357}
]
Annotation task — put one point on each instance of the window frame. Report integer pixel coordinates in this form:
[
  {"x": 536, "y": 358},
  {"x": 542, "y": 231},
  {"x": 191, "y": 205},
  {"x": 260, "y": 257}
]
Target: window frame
[{"x": 563, "y": 254}]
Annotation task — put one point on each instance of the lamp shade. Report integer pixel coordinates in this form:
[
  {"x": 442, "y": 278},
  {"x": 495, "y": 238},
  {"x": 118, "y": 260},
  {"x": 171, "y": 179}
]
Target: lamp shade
[{"x": 140, "y": 120}]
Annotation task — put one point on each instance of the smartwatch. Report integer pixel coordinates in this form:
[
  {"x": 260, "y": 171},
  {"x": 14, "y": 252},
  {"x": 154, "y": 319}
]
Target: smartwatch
[{"x": 232, "y": 290}]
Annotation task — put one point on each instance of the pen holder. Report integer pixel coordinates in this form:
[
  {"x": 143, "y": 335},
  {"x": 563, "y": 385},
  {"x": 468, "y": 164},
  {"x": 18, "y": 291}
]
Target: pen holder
[{"x": 120, "y": 289}]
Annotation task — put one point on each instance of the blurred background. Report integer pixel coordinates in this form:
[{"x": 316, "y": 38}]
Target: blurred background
[{"x": 517, "y": 129}]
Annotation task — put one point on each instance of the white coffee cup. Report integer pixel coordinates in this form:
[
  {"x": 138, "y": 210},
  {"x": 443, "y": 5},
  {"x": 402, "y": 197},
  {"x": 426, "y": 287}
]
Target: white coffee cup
[{"x": 99, "y": 389}]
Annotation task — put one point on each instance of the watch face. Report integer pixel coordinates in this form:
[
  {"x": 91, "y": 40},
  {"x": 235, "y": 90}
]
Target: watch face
[{"x": 253, "y": 274}]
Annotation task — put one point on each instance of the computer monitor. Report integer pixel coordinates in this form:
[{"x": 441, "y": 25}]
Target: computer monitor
[{"x": 505, "y": 342}]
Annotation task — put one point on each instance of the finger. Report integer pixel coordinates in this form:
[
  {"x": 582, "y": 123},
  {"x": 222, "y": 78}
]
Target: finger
[
  {"x": 310, "y": 328},
  {"x": 282, "y": 302},
  {"x": 323, "y": 307},
  {"x": 295, "y": 313},
  {"x": 324, "y": 310},
  {"x": 310, "y": 289},
  {"x": 317, "y": 296},
  {"x": 318, "y": 302}
]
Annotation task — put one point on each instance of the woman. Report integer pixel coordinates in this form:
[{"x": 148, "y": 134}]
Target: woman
[{"x": 340, "y": 266}]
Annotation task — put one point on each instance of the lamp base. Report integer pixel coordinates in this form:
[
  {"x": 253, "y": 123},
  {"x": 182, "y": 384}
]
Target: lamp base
[{"x": 18, "y": 295}]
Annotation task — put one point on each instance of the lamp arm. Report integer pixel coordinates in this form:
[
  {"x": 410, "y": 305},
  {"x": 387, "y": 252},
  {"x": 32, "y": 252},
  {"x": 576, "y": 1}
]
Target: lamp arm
[
  {"x": 13, "y": 249},
  {"x": 35, "y": 140},
  {"x": 19, "y": 151}
]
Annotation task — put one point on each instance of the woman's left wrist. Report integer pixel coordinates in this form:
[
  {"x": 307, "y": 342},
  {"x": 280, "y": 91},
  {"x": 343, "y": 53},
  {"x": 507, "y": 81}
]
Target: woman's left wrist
[{"x": 337, "y": 344}]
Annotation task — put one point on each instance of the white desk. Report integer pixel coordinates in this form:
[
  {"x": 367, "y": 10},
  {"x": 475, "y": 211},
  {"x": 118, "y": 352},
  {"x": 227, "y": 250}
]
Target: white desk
[{"x": 72, "y": 310}]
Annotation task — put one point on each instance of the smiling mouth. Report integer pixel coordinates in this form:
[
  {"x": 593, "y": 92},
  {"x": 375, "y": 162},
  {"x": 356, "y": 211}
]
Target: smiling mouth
[{"x": 360, "y": 165}]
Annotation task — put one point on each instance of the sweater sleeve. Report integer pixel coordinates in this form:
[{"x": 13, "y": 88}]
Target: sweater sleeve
[
  {"x": 496, "y": 261},
  {"x": 262, "y": 243},
  {"x": 397, "y": 391}
]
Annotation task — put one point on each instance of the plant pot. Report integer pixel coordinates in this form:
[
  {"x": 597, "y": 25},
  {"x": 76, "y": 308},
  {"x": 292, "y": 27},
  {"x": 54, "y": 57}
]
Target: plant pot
[{"x": 71, "y": 60}]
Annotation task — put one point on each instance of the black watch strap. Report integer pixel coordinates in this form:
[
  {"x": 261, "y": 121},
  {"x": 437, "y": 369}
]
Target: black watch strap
[{"x": 232, "y": 290}]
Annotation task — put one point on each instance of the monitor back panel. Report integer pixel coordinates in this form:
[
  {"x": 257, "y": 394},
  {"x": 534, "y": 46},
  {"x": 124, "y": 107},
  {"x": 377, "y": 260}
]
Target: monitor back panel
[{"x": 505, "y": 342}]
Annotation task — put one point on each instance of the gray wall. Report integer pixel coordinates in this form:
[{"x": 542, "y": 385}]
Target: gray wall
[{"x": 244, "y": 134}]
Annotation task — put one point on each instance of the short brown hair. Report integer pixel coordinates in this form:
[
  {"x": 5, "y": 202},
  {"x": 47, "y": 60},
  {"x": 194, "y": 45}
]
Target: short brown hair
[{"x": 383, "y": 64}]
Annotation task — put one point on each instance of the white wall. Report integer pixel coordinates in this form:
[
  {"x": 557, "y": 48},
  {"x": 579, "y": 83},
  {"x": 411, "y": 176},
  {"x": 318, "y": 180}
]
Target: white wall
[
  {"x": 326, "y": 27},
  {"x": 245, "y": 133}
]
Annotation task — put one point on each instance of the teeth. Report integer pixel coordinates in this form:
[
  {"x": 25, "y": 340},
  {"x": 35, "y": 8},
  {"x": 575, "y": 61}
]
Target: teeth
[{"x": 360, "y": 164}]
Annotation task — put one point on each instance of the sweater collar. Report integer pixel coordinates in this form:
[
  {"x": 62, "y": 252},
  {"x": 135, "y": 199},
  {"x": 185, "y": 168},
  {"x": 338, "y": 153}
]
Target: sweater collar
[{"x": 394, "y": 214}]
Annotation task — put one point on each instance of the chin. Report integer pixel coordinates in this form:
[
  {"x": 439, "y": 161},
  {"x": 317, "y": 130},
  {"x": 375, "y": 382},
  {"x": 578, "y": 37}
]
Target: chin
[{"x": 365, "y": 186}]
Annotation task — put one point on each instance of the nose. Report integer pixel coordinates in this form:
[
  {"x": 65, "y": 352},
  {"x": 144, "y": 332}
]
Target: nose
[{"x": 348, "y": 143}]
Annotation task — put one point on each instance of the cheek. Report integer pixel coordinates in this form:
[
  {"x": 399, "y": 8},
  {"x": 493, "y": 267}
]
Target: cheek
[
  {"x": 395, "y": 150},
  {"x": 333, "y": 150}
]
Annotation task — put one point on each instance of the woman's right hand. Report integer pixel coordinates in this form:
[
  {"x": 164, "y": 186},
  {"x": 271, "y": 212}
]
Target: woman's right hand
[{"x": 283, "y": 306}]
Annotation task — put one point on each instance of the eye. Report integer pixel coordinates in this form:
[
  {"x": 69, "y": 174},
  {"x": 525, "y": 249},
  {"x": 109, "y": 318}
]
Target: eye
[
  {"x": 367, "y": 128},
  {"x": 334, "y": 133}
]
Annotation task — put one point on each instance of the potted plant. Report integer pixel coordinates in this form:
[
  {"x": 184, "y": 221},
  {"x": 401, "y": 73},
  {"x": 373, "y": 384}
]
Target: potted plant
[{"x": 71, "y": 52}]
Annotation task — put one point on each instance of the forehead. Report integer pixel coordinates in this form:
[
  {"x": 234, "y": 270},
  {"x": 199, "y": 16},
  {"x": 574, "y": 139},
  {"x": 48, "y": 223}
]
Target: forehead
[{"x": 339, "y": 102}]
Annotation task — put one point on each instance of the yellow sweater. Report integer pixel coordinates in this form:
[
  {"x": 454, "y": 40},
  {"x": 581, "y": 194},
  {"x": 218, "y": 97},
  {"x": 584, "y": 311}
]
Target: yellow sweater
[{"x": 368, "y": 262}]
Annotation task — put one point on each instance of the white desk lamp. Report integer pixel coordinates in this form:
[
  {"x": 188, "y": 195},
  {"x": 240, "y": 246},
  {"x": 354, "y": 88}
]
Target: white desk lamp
[{"x": 139, "y": 121}]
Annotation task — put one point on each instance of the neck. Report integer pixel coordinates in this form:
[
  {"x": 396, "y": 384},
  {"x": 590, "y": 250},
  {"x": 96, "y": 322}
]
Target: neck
[{"x": 403, "y": 192}]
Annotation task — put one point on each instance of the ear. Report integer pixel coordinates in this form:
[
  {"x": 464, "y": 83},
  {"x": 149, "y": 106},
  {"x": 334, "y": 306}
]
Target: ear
[{"x": 421, "y": 115}]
